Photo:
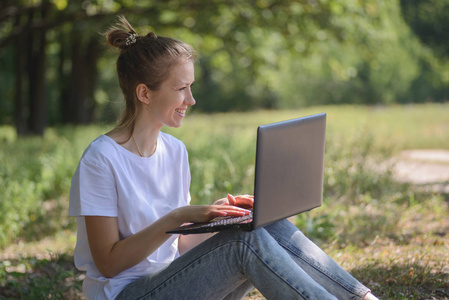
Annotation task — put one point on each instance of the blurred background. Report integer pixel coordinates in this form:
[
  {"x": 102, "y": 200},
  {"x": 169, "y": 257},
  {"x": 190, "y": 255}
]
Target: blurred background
[
  {"x": 269, "y": 54},
  {"x": 378, "y": 68}
]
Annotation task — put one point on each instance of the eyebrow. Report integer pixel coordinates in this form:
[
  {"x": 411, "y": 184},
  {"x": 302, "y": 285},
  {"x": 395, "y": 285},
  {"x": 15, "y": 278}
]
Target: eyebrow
[{"x": 184, "y": 83}]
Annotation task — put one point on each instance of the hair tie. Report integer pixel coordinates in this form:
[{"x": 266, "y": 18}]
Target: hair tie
[{"x": 131, "y": 39}]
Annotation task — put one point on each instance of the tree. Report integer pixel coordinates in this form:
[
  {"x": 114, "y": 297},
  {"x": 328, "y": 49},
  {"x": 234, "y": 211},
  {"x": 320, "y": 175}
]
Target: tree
[
  {"x": 30, "y": 71},
  {"x": 429, "y": 20},
  {"x": 31, "y": 24},
  {"x": 57, "y": 51},
  {"x": 34, "y": 25}
]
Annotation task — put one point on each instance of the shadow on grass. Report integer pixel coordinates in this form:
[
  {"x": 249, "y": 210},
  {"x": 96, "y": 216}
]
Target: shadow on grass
[
  {"x": 32, "y": 278},
  {"x": 409, "y": 281},
  {"x": 57, "y": 278}
]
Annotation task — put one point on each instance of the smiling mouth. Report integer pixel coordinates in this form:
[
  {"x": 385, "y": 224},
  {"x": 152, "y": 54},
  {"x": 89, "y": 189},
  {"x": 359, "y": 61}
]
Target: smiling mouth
[{"x": 181, "y": 111}]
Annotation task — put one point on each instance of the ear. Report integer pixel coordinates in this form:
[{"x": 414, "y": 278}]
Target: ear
[{"x": 143, "y": 93}]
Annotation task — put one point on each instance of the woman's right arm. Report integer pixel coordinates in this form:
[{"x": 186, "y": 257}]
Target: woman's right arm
[
  {"x": 187, "y": 242},
  {"x": 112, "y": 255}
]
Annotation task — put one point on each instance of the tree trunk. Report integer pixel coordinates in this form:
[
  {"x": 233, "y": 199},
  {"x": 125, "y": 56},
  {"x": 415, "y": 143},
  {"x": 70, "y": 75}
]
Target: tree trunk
[
  {"x": 80, "y": 100},
  {"x": 92, "y": 56},
  {"x": 20, "y": 105},
  {"x": 31, "y": 103},
  {"x": 78, "y": 87},
  {"x": 36, "y": 72},
  {"x": 64, "y": 79}
]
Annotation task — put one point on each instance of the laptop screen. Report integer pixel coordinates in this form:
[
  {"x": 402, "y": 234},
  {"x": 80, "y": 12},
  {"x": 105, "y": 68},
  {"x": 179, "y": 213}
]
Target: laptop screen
[{"x": 289, "y": 168}]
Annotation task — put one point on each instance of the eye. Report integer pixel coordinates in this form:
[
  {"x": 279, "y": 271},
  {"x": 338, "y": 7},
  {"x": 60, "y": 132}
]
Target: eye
[{"x": 185, "y": 87}]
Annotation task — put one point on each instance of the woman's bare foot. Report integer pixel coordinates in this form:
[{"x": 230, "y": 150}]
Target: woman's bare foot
[{"x": 370, "y": 296}]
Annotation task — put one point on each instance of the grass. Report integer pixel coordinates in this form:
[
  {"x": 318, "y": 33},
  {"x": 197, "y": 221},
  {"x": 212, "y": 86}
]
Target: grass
[{"x": 391, "y": 236}]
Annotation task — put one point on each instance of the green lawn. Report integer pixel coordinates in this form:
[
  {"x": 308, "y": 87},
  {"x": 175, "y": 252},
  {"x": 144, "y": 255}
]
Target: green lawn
[{"x": 392, "y": 236}]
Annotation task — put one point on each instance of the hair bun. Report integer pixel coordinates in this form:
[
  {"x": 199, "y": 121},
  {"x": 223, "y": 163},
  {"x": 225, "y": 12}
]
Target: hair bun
[{"x": 122, "y": 35}]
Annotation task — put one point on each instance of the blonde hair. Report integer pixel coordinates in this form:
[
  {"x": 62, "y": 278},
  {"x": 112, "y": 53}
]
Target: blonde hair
[{"x": 144, "y": 59}]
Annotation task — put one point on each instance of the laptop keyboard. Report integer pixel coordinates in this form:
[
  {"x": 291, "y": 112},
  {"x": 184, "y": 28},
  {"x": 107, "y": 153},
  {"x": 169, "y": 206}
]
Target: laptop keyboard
[{"x": 230, "y": 220}]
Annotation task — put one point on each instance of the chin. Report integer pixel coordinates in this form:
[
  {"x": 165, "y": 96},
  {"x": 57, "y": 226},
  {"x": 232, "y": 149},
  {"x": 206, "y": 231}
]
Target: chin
[{"x": 175, "y": 125}]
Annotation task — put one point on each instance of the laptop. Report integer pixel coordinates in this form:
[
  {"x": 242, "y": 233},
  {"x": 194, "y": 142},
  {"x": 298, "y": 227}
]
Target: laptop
[{"x": 288, "y": 175}]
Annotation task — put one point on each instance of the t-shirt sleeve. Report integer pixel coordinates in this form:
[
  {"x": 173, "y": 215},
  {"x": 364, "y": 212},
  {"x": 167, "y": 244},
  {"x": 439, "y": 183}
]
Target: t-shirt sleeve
[
  {"x": 93, "y": 191},
  {"x": 187, "y": 177}
]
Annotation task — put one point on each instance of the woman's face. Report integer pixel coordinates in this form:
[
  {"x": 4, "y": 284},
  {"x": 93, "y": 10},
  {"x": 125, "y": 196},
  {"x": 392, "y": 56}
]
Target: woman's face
[{"x": 168, "y": 105}]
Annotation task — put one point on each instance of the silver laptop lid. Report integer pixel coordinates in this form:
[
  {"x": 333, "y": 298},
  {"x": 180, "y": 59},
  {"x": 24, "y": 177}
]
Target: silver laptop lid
[{"x": 289, "y": 168}]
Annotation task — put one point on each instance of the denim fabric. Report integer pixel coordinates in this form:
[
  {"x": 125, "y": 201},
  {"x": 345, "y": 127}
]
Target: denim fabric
[{"x": 278, "y": 260}]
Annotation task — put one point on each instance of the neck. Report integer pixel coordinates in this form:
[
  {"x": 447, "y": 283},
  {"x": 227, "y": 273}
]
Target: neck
[{"x": 145, "y": 139}]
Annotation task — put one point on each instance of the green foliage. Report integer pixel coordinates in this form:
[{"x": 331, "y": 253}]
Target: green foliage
[
  {"x": 253, "y": 54},
  {"x": 429, "y": 21},
  {"x": 35, "y": 176},
  {"x": 379, "y": 61}
]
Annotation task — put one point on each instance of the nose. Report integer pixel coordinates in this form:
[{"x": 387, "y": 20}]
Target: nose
[{"x": 189, "y": 99}]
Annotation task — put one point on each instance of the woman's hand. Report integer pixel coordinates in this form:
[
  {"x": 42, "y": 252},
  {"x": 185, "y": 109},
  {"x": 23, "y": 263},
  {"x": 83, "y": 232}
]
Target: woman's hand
[
  {"x": 243, "y": 201},
  {"x": 229, "y": 206},
  {"x": 205, "y": 213}
]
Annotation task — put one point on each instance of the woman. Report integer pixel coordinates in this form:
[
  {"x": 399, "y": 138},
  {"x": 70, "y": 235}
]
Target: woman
[{"x": 132, "y": 185}]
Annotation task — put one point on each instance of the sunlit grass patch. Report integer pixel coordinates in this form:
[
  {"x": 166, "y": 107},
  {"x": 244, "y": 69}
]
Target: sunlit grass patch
[{"x": 390, "y": 235}]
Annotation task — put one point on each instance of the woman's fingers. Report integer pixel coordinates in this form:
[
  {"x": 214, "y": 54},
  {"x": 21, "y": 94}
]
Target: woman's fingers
[
  {"x": 244, "y": 201},
  {"x": 225, "y": 211},
  {"x": 229, "y": 209},
  {"x": 223, "y": 201},
  {"x": 231, "y": 199},
  {"x": 205, "y": 213}
]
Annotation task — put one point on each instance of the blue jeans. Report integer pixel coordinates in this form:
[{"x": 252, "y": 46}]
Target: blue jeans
[{"x": 278, "y": 260}]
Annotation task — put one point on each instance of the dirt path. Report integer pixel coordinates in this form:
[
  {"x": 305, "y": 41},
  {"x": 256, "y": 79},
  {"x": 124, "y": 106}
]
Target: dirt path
[{"x": 426, "y": 168}]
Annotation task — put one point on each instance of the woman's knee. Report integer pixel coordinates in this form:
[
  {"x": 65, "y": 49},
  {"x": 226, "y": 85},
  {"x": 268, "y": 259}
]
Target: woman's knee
[
  {"x": 255, "y": 240},
  {"x": 243, "y": 236},
  {"x": 283, "y": 227}
]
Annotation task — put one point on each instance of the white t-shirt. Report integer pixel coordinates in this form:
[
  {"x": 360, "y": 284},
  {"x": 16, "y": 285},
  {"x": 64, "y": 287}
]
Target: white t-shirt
[{"x": 111, "y": 181}]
